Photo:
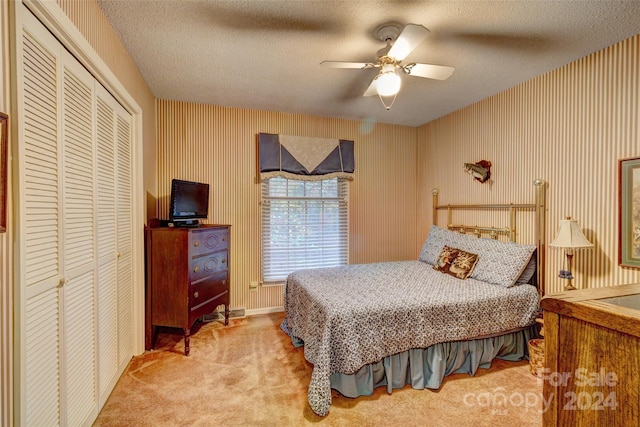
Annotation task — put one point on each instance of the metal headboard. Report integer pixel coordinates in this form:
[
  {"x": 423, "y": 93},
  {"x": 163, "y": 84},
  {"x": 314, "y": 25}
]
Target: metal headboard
[{"x": 510, "y": 230}]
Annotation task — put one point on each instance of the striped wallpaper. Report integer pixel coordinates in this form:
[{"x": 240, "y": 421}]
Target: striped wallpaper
[
  {"x": 218, "y": 145},
  {"x": 569, "y": 127}
]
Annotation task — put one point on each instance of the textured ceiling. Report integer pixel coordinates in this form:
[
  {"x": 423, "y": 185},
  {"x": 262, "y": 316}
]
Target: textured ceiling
[{"x": 265, "y": 55}]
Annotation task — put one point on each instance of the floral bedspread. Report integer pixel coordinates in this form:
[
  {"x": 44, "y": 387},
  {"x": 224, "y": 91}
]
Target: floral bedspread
[{"x": 358, "y": 314}]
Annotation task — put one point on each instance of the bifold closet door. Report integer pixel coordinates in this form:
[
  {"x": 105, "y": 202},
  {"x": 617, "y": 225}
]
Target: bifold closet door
[
  {"x": 40, "y": 254},
  {"x": 124, "y": 239},
  {"x": 74, "y": 281},
  {"x": 57, "y": 172},
  {"x": 79, "y": 397},
  {"x": 106, "y": 238},
  {"x": 114, "y": 216}
]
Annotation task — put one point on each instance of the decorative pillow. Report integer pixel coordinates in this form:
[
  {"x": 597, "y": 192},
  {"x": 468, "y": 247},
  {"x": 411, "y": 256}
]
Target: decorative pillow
[{"x": 456, "y": 262}]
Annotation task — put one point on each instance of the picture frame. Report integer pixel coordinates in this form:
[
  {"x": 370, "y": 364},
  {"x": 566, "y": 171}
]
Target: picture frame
[
  {"x": 629, "y": 212},
  {"x": 4, "y": 149}
]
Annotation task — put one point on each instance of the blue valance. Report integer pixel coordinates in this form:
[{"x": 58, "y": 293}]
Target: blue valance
[{"x": 307, "y": 158}]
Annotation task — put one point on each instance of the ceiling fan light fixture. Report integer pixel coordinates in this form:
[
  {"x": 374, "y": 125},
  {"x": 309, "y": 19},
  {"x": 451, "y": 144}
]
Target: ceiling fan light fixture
[
  {"x": 388, "y": 81},
  {"x": 400, "y": 43}
]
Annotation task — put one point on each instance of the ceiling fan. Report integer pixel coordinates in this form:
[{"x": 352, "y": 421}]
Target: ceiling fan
[{"x": 389, "y": 60}]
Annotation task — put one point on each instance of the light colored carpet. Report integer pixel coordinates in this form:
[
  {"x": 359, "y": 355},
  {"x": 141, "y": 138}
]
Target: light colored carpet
[{"x": 249, "y": 374}]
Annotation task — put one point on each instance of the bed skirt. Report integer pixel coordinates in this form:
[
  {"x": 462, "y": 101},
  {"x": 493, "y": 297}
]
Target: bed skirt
[{"x": 426, "y": 368}]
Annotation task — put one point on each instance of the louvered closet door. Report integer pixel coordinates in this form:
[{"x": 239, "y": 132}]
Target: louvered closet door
[
  {"x": 79, "y": 302},
  {"x": 124, "y": 237},
  {"x": 114, "y": 263},
  {"x": 106, "y": 248},
  {"x": 75, "y": 235},
  {"x": 40, "y": 235},
  {"x": 58, "y": 249}
]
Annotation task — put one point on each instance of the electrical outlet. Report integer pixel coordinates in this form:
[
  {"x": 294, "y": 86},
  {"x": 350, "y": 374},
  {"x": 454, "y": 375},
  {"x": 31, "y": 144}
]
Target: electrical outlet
[{"x": 253, "y": 285}]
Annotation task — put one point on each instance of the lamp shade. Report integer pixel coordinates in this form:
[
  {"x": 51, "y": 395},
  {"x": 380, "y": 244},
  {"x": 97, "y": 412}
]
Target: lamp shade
[
  {"x": 388, "y": 81},
  {"x": 570, "y": 236}
]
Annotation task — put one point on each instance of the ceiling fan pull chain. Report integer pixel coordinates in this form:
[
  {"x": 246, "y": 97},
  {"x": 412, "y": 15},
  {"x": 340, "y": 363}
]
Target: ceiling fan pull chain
[{"x": 388, "y": 107}]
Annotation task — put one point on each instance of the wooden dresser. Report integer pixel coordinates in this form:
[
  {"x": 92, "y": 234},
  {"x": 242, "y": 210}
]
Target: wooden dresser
[
  {"x": 592, "y": 357},
  {"x": 187, "y": 277}
]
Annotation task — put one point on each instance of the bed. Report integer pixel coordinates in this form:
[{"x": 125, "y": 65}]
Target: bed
[{"x": 466, "y": 300}]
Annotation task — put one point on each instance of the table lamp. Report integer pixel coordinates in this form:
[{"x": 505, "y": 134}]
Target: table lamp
[{"x": 569, "y": 238}]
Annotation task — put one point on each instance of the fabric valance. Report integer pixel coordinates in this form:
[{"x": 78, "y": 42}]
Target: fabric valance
[{"x": 306, "y": 158}]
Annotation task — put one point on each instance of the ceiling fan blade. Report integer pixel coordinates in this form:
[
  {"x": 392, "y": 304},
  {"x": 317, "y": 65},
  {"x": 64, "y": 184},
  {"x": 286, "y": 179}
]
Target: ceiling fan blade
[
  {"x": 343, "y": 64},
  {"x": 438, "y": 72},
  {"x": 409, "y": 39},
  {"x": 276, "y": 17},
  {"x": 371, "y": 90}
]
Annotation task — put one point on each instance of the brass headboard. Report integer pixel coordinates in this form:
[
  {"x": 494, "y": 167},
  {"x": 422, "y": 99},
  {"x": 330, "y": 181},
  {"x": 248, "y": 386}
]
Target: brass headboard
[{"x": 510, "y": 230}]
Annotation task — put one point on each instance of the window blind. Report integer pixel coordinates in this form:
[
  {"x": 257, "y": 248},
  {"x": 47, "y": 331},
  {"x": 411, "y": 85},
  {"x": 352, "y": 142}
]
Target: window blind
[{"x": 304, "y": 225}]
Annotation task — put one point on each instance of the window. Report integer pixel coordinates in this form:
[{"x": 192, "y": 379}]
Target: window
[{"x": 304, "y": 225}]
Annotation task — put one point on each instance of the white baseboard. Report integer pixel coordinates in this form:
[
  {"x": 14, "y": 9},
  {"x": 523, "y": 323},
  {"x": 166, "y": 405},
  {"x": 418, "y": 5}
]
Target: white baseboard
[
  {"x": 264, "y": 311},
  {"x": 240, "y": 312}
]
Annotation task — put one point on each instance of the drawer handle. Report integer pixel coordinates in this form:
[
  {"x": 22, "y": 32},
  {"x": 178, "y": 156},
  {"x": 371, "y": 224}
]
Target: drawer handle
[
  {"x": 212, "y": 241},
  {"x": 223, "y": 260},
  {"x": 196, "y": 294},
  {"x": 196, "y": 269},
  {"x": 196, "y": 243},
  {"x": 211, "y": 264}
]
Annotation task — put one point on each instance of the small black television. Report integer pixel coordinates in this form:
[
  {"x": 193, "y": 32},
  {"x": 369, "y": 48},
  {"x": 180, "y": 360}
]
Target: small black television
[{"x": 189, "y": 203}]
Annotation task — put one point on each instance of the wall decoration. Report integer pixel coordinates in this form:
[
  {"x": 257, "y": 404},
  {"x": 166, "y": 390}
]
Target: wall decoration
[
  {"x": 480, "y": 170},
  {"x": 629, "y": 212},
  {"x": 4, "y": 148}
]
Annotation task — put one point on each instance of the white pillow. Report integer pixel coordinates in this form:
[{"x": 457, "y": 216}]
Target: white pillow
[
  {"x": 500, "y": 262},
  {"x": 437, "y": 239}
]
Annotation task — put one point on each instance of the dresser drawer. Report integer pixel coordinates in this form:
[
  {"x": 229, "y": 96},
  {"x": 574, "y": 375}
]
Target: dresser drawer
[
  {"x": 207, "y": 265},
  {"x": 206, "y": 291},
  {"x": 208, "y": 240}
]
